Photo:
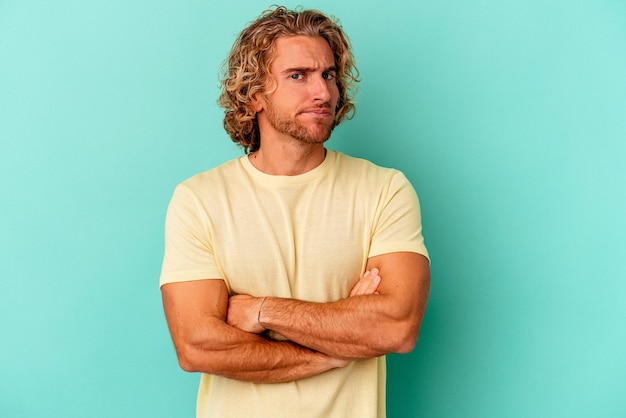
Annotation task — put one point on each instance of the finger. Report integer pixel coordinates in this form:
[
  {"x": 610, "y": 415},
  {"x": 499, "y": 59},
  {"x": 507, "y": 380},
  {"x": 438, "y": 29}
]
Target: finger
[
  {"x": 357, "y": 289},
  {"x": 372, "y": 283},
  {"x": 367, "y": 284}
]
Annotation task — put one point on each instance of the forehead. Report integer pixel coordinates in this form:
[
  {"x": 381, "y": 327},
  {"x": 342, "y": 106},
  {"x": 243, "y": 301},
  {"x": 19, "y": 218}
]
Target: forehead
[{"x": 302, "y": 51}]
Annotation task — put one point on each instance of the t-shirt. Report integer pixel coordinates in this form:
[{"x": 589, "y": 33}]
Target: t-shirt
[{"x": 305, "y": 237}]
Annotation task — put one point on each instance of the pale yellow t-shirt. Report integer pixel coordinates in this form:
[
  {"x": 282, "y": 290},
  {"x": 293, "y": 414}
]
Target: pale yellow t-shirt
[{"x": 305, "y": 237}]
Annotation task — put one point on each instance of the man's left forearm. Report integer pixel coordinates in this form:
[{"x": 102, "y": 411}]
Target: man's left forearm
[
  {"x": 367, "y": 324},
  {"x": 355, "y": 328}
]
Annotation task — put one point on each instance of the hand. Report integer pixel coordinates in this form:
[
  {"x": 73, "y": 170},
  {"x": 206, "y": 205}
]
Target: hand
[
  {"x": 243, "y": 311},
  {"x": 367, "y": 284}
]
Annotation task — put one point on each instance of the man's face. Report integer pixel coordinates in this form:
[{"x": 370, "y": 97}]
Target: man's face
[{"x": 303, "y": 104}]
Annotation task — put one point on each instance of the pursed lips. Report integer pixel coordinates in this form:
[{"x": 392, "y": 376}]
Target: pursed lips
[{"x": 319, "y": 111}]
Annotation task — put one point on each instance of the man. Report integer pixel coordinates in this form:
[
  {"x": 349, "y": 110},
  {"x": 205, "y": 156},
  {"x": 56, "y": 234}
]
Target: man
[{"x": 290, "y": 272}]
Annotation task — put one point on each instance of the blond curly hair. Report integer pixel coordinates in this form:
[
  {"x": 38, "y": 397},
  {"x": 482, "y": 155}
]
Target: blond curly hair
[{"x": 246, "y": 71}]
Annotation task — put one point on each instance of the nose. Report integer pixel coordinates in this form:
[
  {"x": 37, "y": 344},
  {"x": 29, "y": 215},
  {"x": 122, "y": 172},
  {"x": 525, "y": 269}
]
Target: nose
[{"x": 320, "y": 88}]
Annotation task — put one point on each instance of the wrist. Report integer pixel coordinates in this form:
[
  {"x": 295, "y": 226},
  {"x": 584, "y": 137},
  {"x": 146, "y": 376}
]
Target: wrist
[
  {"x": 337, "y": 362},
  {"x": 258, "y": 317}
]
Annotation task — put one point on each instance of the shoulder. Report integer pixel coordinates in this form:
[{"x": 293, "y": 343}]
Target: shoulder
[
  {"x": 213, "y": 177},
  {"x": 205, "y": 187},
  {"x": 366, "y": 170},
  {"x": 383, "y": 184}
]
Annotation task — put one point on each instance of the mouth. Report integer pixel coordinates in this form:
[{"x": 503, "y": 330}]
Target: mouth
[{"x": 321, "y": 112}]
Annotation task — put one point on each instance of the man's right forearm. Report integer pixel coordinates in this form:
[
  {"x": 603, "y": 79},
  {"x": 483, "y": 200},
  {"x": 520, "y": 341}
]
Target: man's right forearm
[
  {"x": 196, "y": 313},
  {"x": 226, "y": 351}
]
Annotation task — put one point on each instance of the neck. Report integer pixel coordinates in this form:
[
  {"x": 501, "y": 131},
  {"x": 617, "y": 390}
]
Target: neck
[{"x": 288, "y": 160}]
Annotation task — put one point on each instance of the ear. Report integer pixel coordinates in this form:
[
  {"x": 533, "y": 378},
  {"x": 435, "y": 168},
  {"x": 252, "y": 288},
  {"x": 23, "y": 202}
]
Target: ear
[{"x": 258, "y": 102}]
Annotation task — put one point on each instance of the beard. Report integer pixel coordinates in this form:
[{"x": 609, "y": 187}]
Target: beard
[{"x": 316, "y": 133}]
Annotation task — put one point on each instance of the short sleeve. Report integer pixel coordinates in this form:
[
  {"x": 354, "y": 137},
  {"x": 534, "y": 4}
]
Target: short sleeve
[
  {"x": 188, "y": 248},
  {"x": 399, "y": 223}
]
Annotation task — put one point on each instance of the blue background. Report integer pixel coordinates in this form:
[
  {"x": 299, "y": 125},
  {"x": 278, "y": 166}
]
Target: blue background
[{"x": 508, "y": 117}]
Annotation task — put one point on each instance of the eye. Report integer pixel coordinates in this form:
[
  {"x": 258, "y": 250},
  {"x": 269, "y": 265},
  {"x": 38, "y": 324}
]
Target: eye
[
  {"x": 297, "y": 76},
  {"x": 328, "y": 76}
]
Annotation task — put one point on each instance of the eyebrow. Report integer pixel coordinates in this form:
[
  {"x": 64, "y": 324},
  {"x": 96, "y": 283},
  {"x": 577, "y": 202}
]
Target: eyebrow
[{"x": 307, "y": 70}]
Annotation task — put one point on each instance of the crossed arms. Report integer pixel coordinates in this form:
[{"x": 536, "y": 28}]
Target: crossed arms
[{"x": 215, "y": 334}]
